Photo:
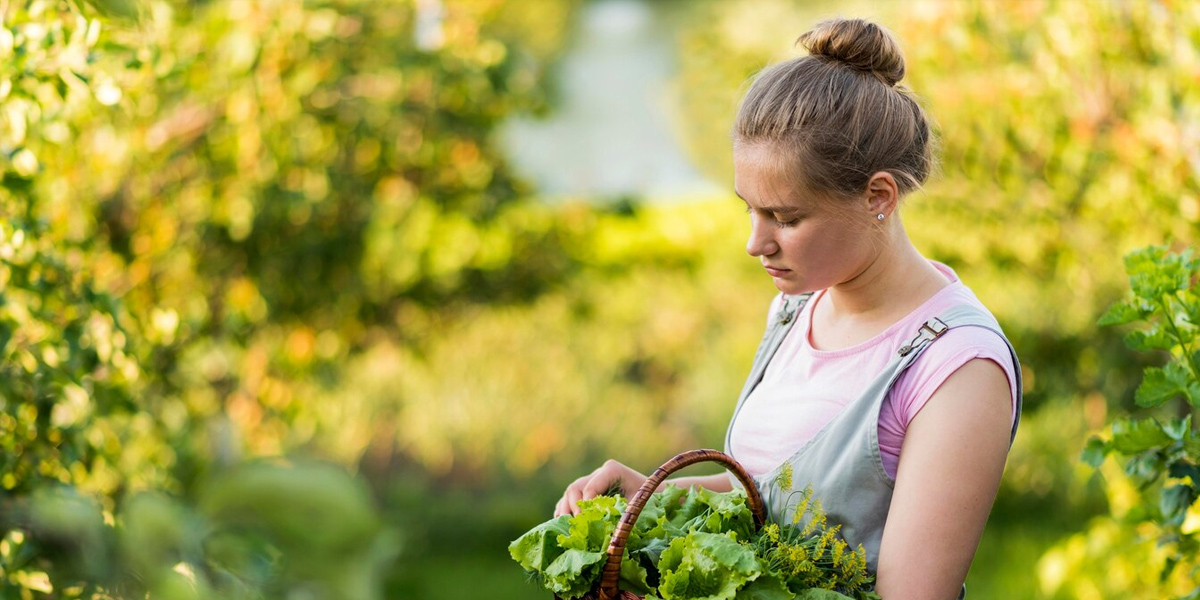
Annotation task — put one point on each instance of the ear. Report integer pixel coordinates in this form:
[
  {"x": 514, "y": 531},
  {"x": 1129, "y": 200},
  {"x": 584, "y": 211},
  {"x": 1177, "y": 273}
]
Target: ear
[{"x": 882, "y": 194}]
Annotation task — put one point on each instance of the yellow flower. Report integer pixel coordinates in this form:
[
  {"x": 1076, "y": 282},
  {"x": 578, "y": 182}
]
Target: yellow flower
[
  {"x": 818, "y": 519},
  {"x": 784, "y": 478},
  {"x": 772, "y": 532}
]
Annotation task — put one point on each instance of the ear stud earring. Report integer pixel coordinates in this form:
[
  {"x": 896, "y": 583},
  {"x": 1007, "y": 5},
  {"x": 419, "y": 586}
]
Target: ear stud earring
[{"x": 879, "y": 216}]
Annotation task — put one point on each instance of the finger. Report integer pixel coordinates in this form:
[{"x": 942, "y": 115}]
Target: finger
[
  {"x": 597, "y": 485},
  {"x": 574, "y": 495}
]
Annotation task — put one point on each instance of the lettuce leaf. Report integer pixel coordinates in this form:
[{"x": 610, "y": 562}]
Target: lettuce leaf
[
  {"x": 592, "y": 528},
  {"x": 535, "y": 550},
  {"x": 634, "y": 576},
  {"x": 819, "y": 594},
  {"x": 675, "y": 512},
  {"x": 706, "y": 566},
  {"x": 726, "y": 511},
  {"x": 766, "y": 587},
  {"x": 574, "y": 572}
]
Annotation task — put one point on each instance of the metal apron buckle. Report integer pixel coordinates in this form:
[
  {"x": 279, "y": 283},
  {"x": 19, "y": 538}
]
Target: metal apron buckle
[{"x": 931, "y": 330}]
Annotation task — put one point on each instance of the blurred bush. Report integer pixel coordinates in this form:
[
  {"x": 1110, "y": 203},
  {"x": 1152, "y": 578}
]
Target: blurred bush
[{"x": 207, "y": 207}]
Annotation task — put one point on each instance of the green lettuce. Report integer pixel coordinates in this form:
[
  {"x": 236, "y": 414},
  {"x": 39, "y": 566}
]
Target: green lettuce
[
  {"x": 690, "y": 544},
  {"x": 706, "y": 566}
]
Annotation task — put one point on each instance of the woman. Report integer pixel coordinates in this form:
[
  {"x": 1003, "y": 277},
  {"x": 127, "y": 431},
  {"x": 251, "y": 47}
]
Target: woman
[{"x": 882, "y": 381}]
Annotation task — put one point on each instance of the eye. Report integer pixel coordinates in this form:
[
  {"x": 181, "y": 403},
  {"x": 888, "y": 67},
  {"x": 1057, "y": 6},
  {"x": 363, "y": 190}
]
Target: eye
[{"x": 782, "y": 221}]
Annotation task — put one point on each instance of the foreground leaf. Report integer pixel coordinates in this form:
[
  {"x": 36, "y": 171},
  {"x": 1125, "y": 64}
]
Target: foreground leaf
[
  {"x": 706, "y": 566},
  {"x": 1131, "y": 436},
  {"x": 573, "y": 573},
  {"x": 535, "y": 550}
]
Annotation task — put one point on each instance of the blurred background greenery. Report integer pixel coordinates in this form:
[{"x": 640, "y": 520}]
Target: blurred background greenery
[{"x": 331, "y": 298}]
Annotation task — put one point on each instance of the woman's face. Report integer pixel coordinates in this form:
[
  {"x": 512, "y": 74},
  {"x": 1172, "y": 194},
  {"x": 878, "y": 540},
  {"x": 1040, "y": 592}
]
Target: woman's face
[{"x": 805, "y": 242}]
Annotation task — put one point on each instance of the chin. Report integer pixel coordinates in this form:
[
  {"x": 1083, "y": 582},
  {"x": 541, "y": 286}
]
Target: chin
[
  {"x": 789, "y": 288},
  {"x": 794, "y": 288}
]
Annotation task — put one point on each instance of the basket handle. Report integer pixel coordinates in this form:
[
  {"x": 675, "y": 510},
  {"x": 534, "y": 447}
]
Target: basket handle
[{"x": 616, "y": 547}]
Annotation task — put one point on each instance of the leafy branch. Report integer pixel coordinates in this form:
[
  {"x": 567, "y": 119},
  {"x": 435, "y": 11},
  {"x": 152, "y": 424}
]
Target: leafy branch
[{"x": 1164, "y": 449}]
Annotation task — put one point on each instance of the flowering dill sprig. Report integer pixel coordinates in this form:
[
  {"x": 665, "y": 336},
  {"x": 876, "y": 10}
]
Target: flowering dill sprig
[{"x": 809, "y": 553}]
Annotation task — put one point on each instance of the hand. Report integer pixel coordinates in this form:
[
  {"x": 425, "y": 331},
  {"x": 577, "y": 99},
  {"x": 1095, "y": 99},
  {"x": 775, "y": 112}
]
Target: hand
[{"x": 610, "y": 474}]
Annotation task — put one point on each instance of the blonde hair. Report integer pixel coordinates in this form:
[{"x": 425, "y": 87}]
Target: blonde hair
[{"x": 837, "y": 113}]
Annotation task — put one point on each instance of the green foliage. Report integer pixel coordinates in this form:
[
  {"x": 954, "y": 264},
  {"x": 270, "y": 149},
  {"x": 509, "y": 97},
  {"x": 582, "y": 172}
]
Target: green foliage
[{"x": 1164, "y": 451}]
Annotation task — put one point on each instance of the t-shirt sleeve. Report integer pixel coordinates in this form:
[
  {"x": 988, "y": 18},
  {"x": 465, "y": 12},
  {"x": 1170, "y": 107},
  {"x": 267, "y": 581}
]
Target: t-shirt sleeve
[{"x": 940, "y": 360}]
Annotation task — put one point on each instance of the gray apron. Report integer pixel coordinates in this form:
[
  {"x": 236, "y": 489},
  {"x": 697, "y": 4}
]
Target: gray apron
[{"x": 842, "y": 461}]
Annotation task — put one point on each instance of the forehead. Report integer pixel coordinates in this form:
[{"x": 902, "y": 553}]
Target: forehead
[{"x": 764, "y": 175}]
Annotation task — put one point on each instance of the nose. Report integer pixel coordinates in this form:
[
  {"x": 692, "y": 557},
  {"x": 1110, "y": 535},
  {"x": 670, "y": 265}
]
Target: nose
[{"x": 762, "y": 238}]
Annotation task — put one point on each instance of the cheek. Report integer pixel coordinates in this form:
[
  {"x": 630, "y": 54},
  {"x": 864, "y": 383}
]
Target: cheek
[{"x": 829, "y": 249}]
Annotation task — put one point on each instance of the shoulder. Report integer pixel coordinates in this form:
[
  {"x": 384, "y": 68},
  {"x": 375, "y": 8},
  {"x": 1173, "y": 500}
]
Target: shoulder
[
  {"x": 979, "y": 344},
  {"x": 973, "y": 331}
]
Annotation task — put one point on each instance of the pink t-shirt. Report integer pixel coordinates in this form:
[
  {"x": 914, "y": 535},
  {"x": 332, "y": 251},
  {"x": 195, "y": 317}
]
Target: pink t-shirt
[{"x": 804, "y": 388}]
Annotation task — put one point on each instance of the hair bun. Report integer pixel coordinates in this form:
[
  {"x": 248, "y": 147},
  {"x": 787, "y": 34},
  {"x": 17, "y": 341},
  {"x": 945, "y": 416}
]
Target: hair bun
[{"x": 859, "y": 44}]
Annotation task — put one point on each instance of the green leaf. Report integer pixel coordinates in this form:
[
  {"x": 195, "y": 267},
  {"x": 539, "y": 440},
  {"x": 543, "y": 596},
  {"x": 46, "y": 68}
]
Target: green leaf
[
  {"x": 1191, "y": 307},
  {"x": 592, "y": 528},
  {"x": 535, "y": 550},
  {"x": 634, "y": 577},
  {"x": 651, "y": 552},
  {"x": 574, "y": 572},
  {"x": 1094, "y": 452},
  {"x": 1174, "y": 503},
  {"x": 705, "y": 566},
  {"x": 1131, "y": 436},
  {"x": 1155, "y": 338},
  {"x": 661, "y": 506},
  {"x": 1161, "y": 384},
  {"x": 1191, "y": 447},
  {"x": 1120, "y": 314},
  {"x": 1154, "y": 273},
  {"x": 1178, "y": 429},
  {"x": 1170, "y": 565},
  {"x": 1146, "y": 467},
  {"x": 1181, "y": 469},
  {"x": 1193, "y": 393},
  {"x": 819, "y": 594},
  {"x": 727, "y": 512},
  {"x": 766, "y": 587}
]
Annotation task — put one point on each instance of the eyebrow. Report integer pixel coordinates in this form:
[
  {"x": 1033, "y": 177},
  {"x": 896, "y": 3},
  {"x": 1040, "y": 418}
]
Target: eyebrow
[{"x": 774, "y": 209}]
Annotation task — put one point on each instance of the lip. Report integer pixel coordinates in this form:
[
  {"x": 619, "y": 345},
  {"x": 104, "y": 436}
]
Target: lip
[{"x": 776, "y": 272}]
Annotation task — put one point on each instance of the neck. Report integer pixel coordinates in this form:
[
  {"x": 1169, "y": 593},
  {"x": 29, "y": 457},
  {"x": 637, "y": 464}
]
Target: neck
[{"x": 897, "y": 281}]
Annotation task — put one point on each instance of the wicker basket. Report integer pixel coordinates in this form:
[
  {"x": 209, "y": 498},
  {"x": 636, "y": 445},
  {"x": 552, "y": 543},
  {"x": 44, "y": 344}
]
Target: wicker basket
[{"x": 616, "y": 547}]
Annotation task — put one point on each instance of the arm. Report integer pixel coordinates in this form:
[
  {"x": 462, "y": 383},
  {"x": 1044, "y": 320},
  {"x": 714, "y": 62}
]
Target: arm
[
  {"x": 714, "y": 483},
  {"x": 949, "y": 472}
]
